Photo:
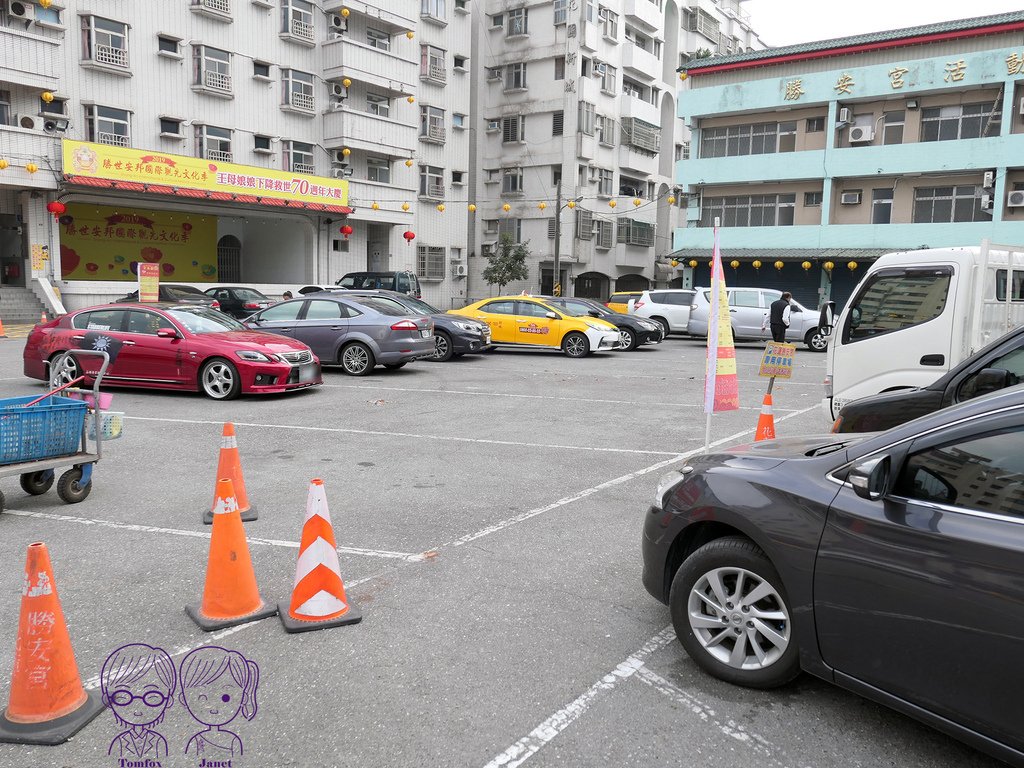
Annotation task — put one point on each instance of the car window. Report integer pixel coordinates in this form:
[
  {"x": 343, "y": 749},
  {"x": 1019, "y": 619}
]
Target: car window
[
  {"x": 745, "y": 299},
  {"x": 401, "y": 282},
  {"x": 679, "y": 299},
  {"x": 387, "y": 300},
  {"x": 100, "y": 320},
  {"x": 770, "y": 296},
  {"x": 499, "y": 307},
  {"x": 983, "y": 473},
  {"x": 659, "y": 297},
  {"x": 575, "y": 308},
  {"x": 323, "y": 310},
  {"x": 418, "y": 305},
  {"x": 891, "y": 302},
  {"x": 374, "y": 303},
  {"x": 199, "y": 319},
  {"x": 184, "y": 291},
  {"x": 1011, "y": 361},
  {"x": 529, "y": 309},
  {"x": 288, "y": 310},
  {"x": 707, "y": 296},
  {"x": 248, "y": 294},
  {"x": 146, "y": 322}
]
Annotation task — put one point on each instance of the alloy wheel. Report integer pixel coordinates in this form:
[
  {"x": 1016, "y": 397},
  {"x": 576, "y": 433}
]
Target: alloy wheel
[
  {"x": 64, "y": 371},
  {"x": 218, "y": 380},
  {"x": 355, "y": 359},
  {"x": 441, "y": 347}
]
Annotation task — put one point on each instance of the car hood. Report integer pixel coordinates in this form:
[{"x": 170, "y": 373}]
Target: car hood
[
  {"x": 258, "y": 340},
  {"x": 767, "y": 454}
]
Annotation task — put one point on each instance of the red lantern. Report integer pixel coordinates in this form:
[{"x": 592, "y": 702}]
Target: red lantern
[
  {"x": 409, "y": 235},
  {"x": 56, "y": 208},
  {"x": 346, "y": 231}
]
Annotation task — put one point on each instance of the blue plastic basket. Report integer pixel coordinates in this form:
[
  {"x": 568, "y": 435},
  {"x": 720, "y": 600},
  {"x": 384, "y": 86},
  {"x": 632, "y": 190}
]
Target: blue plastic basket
[{"x": 51, "y": 427}]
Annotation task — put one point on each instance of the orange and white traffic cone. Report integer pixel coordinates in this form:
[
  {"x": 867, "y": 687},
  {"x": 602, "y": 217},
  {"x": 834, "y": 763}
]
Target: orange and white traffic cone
[
  {"x": 318, "y": 599},
  {"x": 48, "y": 704},
  {"x": 42, "y": 318},
  {"x": 766, "y": 421},
  {"x": 230, "y": 465},
  {"x": 230, "y": 596},
  {"x": 3, "y": 335}
]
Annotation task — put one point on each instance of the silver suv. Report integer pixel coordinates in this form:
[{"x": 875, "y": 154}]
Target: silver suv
[
  {"x": 669, "y": 308},
  {"x": 748, "y": 308}
]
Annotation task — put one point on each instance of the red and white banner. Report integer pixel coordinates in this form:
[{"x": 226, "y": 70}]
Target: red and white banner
[{"x": 721, "y": 387}]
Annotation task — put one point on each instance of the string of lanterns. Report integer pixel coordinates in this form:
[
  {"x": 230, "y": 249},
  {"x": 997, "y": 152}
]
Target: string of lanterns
[{"x": 828, "y": 266}]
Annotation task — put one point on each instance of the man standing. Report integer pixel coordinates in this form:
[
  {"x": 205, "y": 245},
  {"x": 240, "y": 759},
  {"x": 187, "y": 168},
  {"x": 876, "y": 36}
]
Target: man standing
[{"x": 778, "y": 317}]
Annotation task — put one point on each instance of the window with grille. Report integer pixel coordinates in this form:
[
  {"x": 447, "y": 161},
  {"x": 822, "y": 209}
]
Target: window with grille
[
  {"x": 609, "y": 23},
  {"x": 632, "y": 232},
  {"x": 378, "y": 169},
  {"x": 432, "y": 182},
  {"x": 298, "y": 157},
  {"x": 748, "y": 139},
  {"x": 298, "y": 89},
  {"x": 513, "y": 129},
  {"x": 515, "y": 76},
  {"x": 705, "y": 24},
  {"x": 584, "y": 224},
  {"x": 749, "y": 210},
  {"x": 561, "y": 11},
  {"x": 106, "y": 125},
  {"x": 552, "y": 226},
  {"x": 517, "y": 22},
  {"x": 211, "y": 68},
  {"x": 432, "y": 66},
  {"x": 935, "y": 205},
  {"x": 605, "y": 236},
  {"x": 560, "y": 68},
  {"x": 432, "y": 126},
  {"x": 587, "y": 114},
  {"x": 378, "y": 105},
  {"x": 105, "y": 41},
  {"x": 375, "y": 38},
  {"x": 605, "y": 177},
  {"x": 641, "y": 135},
  {"x": 604, "y": 127},
  {"x": 511, "y": 181},
  {"x": 960, "y": 121},
  {"x": 511, "y": 227},
  {"x": 213, "y": 143},
  {"x": 430, "y": 262},
  {"x": 297, "y": 18},
  {"x": 557, "y": 123}
]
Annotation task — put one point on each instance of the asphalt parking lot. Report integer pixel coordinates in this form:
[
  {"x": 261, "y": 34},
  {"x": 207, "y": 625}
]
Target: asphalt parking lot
[{"x": 488, "y": 513}]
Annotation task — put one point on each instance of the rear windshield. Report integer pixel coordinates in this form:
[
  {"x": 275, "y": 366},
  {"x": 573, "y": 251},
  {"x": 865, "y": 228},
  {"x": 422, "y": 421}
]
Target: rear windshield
[
  {"x": 367, "y": 282},
  {"x": 184, "y": 290},
  {"x": 248, "y": 294},
  {"x": 622, "y": 298},
  {"x": 379, "y": 306}
]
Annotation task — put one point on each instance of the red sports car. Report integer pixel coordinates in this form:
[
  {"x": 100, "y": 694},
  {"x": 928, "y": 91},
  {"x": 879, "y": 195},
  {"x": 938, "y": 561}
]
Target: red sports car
[{"x": 171, "y": 346}]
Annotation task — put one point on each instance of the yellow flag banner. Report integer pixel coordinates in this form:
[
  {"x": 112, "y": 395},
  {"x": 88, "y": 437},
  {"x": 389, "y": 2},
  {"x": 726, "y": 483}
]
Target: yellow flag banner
[{"x": 99, "y": 242}]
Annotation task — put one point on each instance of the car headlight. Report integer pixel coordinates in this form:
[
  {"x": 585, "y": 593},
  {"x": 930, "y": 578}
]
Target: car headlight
[
  {"x": 648, "y": 326},
  {"x": 599, "y": 327},
  {"x": 667, "y": 483},
  {"x": 471, "y": 327},
  {"x": 253, "y": 356}
]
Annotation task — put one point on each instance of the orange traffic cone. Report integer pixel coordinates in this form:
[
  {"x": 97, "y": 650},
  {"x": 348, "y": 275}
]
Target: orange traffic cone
[
  {"x": 3, "y": 335},
  {"x": 48, "y": 704},
  {"x": 765, "y": 422},
  {"x": 230, "y": 465},
  {"x": 318, "y": 599},
  {"x": 42, "y": 318},
  {"x": 230, "y": 596}
]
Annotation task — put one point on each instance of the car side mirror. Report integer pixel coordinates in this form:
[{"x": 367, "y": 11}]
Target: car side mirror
[
  {"x": 795, "y": 309},
  {"x": 551, "y": 315},
  {"x": 991, "y": 380},
  {"x": 827, "y": 318},
  {"x": 594, "y": 313},
  {"x": 870, "y": 478},
  {"x": 167, "y": 333}
]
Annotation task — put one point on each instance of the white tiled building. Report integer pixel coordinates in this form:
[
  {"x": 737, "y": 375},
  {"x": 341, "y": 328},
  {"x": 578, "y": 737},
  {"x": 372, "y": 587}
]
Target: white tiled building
[{"x": 582, "y": 93}]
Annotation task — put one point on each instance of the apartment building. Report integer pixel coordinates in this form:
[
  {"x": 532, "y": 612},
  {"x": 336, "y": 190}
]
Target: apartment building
[
  {"x": 266, "y": 142},
  {"x": 579, "y": 134},
  {"x": 818, "y": 158}
]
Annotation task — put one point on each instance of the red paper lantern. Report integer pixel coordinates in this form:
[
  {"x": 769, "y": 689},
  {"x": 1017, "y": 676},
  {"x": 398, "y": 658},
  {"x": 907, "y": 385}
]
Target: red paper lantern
[
  {"x": 409, "y": 235},
  {"x": 346, "y": 231},
  {"x": 56, "y": 208}
]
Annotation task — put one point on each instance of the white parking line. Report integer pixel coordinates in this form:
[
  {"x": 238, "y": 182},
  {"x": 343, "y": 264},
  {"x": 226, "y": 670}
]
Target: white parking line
[
  {"x": 508, "y": 522},
  {"x": 530, "y": 744},
  {"x": 408, "y": 557},
  {"x": 444, "y": 438},
  {"x": 581, "y": 400}
]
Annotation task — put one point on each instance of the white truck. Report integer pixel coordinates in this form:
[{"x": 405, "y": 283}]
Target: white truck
[{"x": 917, "y": 313}]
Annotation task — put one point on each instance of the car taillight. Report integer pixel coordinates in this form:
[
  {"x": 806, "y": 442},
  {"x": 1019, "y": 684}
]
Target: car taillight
[
  {"x": 250, "y": 305},
  {"x": 638, "y": 304},
  {"x": 216, "y": 304},
  {"x": 607, "y": 303},
  {"x": 404, "y": 325}
]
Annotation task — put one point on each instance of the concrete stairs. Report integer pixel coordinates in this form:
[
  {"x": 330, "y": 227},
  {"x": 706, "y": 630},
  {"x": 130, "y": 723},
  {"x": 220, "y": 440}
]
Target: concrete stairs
[{"x": 19, "y": 306}]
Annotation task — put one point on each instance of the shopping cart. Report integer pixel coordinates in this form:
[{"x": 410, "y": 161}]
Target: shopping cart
[{"x": 41, "y": 434}]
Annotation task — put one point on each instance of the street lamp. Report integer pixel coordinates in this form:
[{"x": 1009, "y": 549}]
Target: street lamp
[{"x": 556, "y": 283}]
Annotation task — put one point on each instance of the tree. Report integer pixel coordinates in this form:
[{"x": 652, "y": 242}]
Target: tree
[
  {"x": 702, "y": 53},
  {"x": 507, "y": 263}
]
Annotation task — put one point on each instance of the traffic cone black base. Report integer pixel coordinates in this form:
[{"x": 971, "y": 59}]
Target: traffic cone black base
[
  {"x": 247, "y": 517},
  {"x": 352, "y": 616},
  {"x": 52, "y": 732},
  {"x": 212, "y": 625}
]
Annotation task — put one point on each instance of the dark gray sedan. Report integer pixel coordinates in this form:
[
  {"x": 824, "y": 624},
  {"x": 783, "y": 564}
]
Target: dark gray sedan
[
  {"x": 890, "y": 564},
  {"x": 356, "y": 333}
]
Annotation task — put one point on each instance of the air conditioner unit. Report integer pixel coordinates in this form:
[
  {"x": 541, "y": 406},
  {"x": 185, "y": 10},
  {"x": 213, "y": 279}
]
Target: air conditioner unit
[
  {"x": 337, "y": 105},
  {"x": 338, "y": 23},
  {"x": 599, "y": 67},
  {"x": 493, "y": 125},
  {"x": 986, "y": 202},
  {"x": 341, "y": 173},
  {"x": 988, "y": 179},
  {"x": 487, "y": 249},
  {"x": 337, "y": 156},
  {"x": 20, "y": 10},
  {"x": 844, "y": 115},
  {"x": 459, "y": 270},
  {"x": 849, "y": 198},
  {"x": 1015, "y": 199},
  {"x": 28, "y": 122},
  {"x": 339, "y": 91},
  {"x": 861, "y": 134}
]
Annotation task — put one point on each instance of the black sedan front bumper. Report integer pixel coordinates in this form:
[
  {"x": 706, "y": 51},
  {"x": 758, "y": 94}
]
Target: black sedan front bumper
[{"x": 468, "y": 342}]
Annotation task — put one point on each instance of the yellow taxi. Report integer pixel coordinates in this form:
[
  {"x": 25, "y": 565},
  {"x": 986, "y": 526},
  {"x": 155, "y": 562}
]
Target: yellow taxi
[
  {"x": 622, "y": 301},
  {"x": 523, "y": 321}
]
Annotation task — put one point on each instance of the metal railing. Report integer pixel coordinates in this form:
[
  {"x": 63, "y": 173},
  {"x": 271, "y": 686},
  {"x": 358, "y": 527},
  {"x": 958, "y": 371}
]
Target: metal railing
[
  {"x": 301, "y": 29},
  {"x": 113, "y": 139},
  {"x": 437, "y": 72},
  {"x": 302, "y": 100},
  {"x": 303, "y": 168},
  {"x": 216, "y": 154},
  {"x": 435, "y": 190},
  {"x": 217, "y": 80},
  {"x": 435, "y": 132},
  {"x": 221, "y": 6},
  {"x": 107, "y": 54}
]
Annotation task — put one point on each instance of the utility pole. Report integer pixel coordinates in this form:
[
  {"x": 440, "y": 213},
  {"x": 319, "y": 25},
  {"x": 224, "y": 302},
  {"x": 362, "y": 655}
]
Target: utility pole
[{"x": 556, "y": 289}]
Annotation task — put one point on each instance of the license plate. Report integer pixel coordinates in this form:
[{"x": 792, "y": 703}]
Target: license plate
[
  {"x": 425, "y": 334},
  {"x": 307, "y": 372}
]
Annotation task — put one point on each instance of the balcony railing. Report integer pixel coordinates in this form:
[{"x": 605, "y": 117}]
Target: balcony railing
[
  {"x": 434, "y": 132},
  {"x": 217, "y": 80},
  {"x": 107, "y": 54},
  {"x": 114, "y": 139},
  {"x": 220, "y": 6},
  {"x": 435, "y": 191},
  {"x": 436, "y": 72},
  {"x": 301, "y": 29},
  {"x": 301, "y": 100},
  {"x": 216, "y": 154},
  {"x": 303, "y": 168}
]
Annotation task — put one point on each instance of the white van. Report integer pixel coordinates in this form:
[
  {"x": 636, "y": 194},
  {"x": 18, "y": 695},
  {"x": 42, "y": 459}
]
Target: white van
[{"x": 915, "y": 314}]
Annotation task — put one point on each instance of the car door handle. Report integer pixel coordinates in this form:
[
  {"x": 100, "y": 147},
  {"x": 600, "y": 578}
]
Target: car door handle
[
  {"x": 732, "y": 310},
  {"x": 78, "y": 338},
  {"x": 337, "y": 327},
  {"x": 933, "y": 360},
  {"x": 128, "y": 343}
]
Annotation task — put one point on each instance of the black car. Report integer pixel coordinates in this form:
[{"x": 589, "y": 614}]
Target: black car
[
  {"x": 997, "y": 366},
  {"x": 239, "y": 302},
  {"x": 454, "y": 336},
  {"x": 401, "y": 282},
  {"x": 174, "y": 293},
  {"x": 889, "y": 564},
  {"x": 633, "y": 330}
]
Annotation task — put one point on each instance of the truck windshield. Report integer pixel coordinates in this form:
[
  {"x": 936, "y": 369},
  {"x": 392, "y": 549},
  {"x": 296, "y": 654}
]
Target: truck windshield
[{"x": 891, "y": 301}]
